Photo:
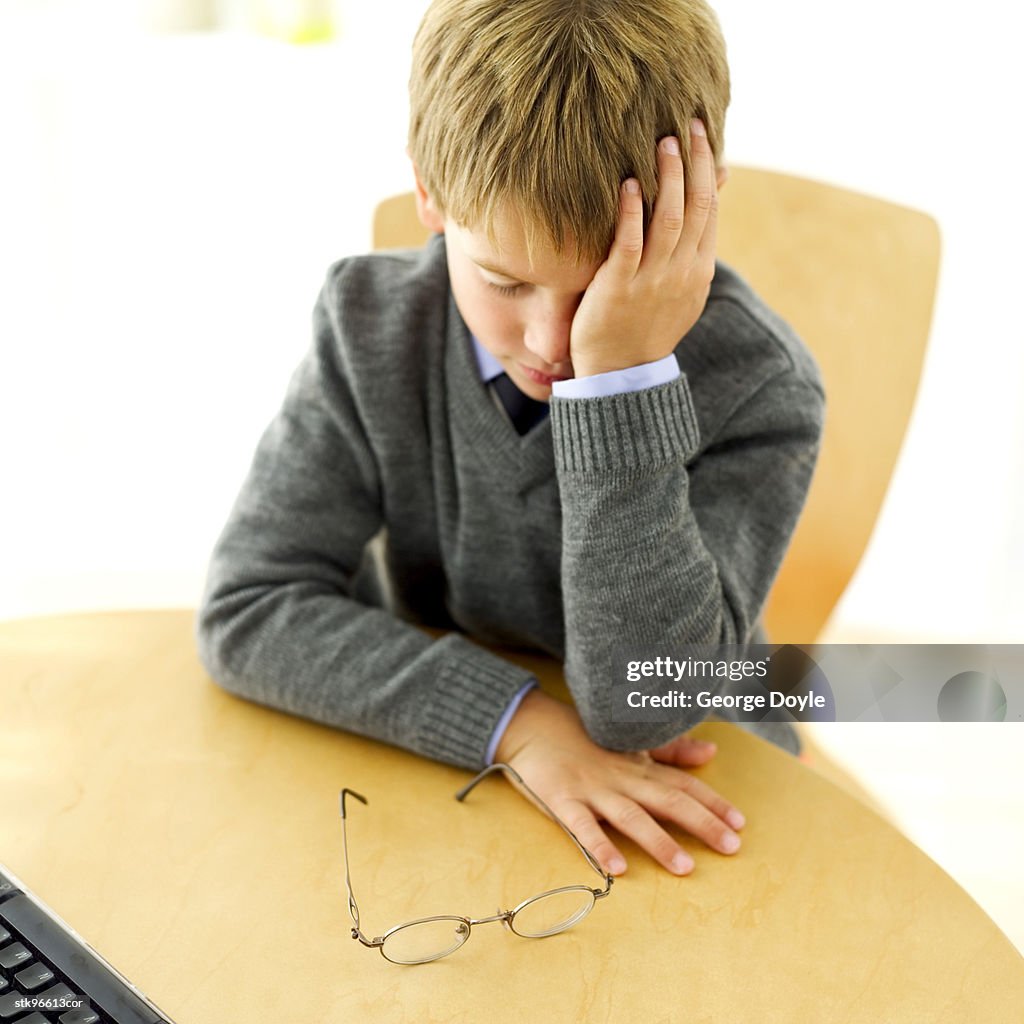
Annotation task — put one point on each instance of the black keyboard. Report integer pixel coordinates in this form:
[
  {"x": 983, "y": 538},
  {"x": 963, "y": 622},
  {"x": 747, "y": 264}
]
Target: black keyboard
[{"x": 48, "y": 975}]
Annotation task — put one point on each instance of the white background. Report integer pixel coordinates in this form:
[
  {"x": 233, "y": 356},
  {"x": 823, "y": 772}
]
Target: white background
[{"x": 169, "y": 203}]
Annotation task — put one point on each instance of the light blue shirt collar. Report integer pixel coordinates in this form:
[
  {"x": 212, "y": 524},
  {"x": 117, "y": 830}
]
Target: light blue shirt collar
[{"x": 487, "y": 364}]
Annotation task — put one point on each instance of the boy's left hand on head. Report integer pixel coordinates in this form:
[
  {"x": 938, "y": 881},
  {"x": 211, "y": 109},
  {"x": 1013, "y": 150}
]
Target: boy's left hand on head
[{"x": 650, "y": 291}]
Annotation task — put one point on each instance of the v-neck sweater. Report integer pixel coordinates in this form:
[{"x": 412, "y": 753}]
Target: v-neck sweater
[{"x": 648, "y": 520}]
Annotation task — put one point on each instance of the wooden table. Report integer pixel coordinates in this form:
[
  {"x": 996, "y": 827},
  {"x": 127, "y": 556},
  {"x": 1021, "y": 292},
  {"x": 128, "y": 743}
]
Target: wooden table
[{"x": 194, "y": 840}]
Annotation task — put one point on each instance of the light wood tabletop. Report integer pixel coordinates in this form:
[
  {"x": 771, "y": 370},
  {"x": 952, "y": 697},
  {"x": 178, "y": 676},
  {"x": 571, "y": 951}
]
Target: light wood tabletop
[{"x": 194, "y": 840}]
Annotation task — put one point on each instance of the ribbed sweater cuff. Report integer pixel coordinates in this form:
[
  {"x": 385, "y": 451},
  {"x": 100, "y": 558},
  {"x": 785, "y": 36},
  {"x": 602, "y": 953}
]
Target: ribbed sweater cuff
[
  {"x": 471, "y": 693},
  {"x": 634, "y": 430}
]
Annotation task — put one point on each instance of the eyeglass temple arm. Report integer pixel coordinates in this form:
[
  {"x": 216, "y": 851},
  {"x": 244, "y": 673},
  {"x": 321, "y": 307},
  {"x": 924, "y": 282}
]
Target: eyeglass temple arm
[
  {"x": 512, "y": 773},
  {"x": 353, "y": 909}
]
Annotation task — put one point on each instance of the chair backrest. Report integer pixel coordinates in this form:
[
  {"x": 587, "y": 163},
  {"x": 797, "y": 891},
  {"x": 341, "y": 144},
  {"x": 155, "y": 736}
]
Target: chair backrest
[{"x": 855, "y": 276}]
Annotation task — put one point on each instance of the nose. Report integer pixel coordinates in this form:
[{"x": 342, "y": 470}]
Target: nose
[{"x": 548, "y": 330}]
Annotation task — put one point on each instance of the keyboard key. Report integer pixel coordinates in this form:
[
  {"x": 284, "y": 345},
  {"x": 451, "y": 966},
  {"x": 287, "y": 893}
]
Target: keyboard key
[
  {"x": 3, "y": 983},
  {"x": 82, "y": 1016},
  {"x": 14, "y": 955},
  {"x": 58, "y": 991},
  {"x": 9, "y": 1005},
  {"x": 34, "y": 1018},
  {"x": 31, "y": 977},
  {"x": 4, "y": 935},
  {"x": 50, "y": 1000}
]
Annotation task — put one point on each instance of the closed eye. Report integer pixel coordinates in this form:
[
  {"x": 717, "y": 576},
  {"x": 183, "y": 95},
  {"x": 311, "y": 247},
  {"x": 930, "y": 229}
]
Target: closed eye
[{"x": 507, "y": 290}]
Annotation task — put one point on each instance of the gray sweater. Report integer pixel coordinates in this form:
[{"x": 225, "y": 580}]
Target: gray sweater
[{"x": 650, "y": 519}]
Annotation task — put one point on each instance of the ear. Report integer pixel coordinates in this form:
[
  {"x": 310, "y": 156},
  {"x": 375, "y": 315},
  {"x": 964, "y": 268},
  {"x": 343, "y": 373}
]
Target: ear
[
  {"x": 721, "y": 176},
  {"x": 427, "y": 211}
]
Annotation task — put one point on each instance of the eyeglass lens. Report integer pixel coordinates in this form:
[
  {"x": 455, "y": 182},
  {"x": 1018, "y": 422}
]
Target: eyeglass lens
[
  {"x": 421, "y": 941},
  {"x": 552, "y": 912}
]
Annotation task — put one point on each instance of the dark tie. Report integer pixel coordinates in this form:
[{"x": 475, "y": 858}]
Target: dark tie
[{"x": 523, "y": 411}]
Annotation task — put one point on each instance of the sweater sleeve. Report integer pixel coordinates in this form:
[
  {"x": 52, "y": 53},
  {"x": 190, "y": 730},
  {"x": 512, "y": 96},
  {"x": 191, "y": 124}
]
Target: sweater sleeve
[
  {"x": 279, "y": 623},
  {"x": 668, "y": 541}
]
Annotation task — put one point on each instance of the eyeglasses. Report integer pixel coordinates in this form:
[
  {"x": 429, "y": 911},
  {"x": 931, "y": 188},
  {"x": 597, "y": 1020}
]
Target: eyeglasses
[{"x": 430, "y": 938}]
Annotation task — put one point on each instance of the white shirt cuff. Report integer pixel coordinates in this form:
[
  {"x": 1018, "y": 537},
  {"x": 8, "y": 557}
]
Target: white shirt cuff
[{"x": 616, "y": 382}]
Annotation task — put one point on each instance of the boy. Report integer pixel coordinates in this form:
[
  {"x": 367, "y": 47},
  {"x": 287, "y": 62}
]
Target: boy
[{"x": 565, "y": 154}]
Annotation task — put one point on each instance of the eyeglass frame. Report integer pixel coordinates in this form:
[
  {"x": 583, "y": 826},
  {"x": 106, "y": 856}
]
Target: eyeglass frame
[{"x": 505, "y": 916}]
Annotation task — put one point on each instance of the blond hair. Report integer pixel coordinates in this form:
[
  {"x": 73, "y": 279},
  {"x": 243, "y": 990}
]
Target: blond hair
[{"x": 546, "y": 106}]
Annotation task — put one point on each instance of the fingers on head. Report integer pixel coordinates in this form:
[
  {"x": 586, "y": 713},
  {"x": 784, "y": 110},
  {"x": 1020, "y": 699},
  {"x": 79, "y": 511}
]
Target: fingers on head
[
  {"x": 629, "y": 232},
  {"x": 668, "y": 208},
  {"x": 702, "y": 184}
]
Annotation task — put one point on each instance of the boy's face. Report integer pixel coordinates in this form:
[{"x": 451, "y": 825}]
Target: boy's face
[{"x": 520, "y": 311}]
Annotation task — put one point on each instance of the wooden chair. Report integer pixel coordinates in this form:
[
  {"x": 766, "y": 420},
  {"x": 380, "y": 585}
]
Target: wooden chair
[{"x": 856, "y": 277}]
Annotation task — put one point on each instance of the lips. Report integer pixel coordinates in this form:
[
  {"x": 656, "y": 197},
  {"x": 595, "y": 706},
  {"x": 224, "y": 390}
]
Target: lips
[{"x": 544, "y": 379}]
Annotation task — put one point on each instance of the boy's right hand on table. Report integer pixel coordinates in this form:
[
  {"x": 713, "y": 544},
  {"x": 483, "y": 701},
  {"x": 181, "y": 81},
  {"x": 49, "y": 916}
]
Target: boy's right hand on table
[{"x": 584, "y": 784}]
